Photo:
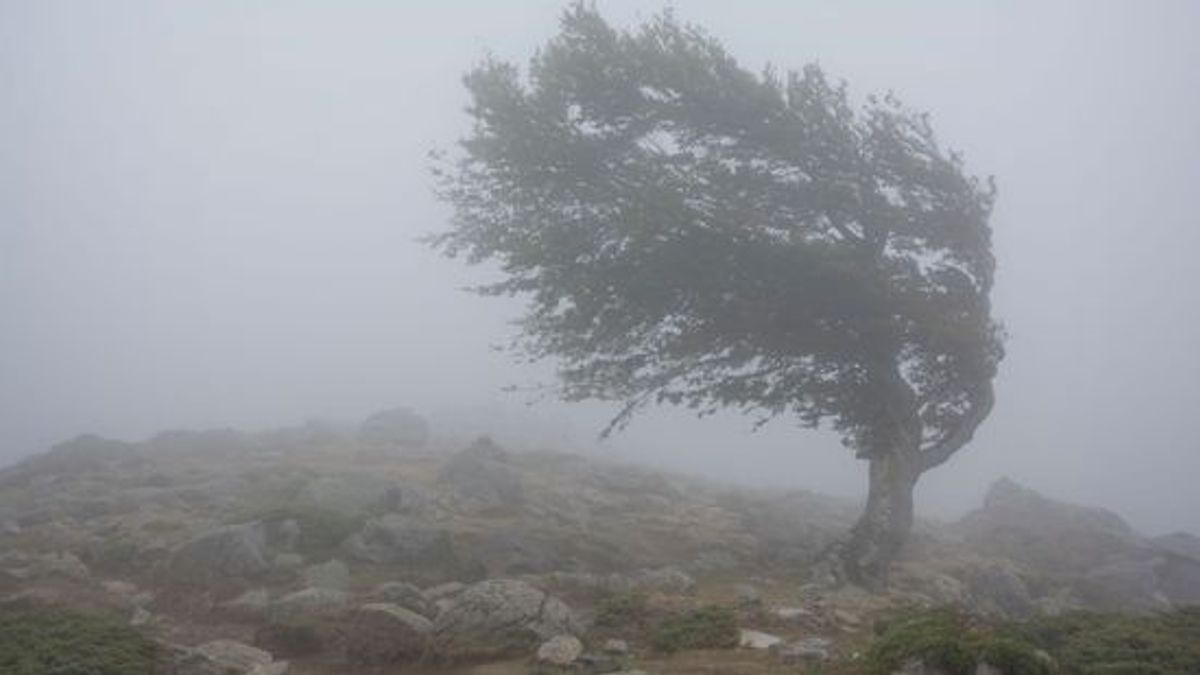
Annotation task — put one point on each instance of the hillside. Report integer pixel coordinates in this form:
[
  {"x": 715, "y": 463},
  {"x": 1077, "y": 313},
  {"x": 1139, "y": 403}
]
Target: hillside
[{"x": 309, "y": 550}]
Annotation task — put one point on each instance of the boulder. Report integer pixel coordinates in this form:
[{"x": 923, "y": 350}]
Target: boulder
[
  {"x": 498, "y": 618},
  {"x": 349, "y": 494},
  {"x": 996, "y": 588},
  {"x": 405, "y": 595},
  {"x": 668, "y": 580},
  {"x": 232, "y": 551},
  {"x": 333, "y": 574},
  {"x": 560, "y": 650},
  {"x": 310, "y": 602},
  {"x": 225, "y": 657},
  {"x": 1049, "y": 536},
  {"x": 385, "y": 633},
  {"x": 398, "y": 428},
  {"x": 399, "y": 540},
  {"x": 252, "y": 605},
  {"x": 482, "y": 481},
  {"x": 1124, "y": 584}
]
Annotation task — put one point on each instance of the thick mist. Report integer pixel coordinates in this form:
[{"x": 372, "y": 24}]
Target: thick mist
[{"x": 209, "y": 216}]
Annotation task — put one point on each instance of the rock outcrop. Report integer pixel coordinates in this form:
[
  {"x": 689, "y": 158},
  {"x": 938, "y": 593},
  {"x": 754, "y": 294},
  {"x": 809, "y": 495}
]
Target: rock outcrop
[{"x": 498, "y": 618}]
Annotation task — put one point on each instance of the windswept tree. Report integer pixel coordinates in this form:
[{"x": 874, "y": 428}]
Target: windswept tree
[{"x": 688, "y": 232}]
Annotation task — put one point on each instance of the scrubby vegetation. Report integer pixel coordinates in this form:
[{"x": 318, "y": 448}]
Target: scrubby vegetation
[
  {"x": 711, "y": 627},
  {"x": 1088, "y": 643},
  {"x": 39, "y": 641},
  {"x": 622, "y": 610},
  {"x": 1081, "y": 643},
  {"x": 953, "y": 642}
]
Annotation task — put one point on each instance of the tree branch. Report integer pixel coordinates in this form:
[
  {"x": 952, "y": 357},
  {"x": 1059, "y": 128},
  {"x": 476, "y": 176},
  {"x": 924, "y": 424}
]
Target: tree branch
[{"x": 937, "y": 454}]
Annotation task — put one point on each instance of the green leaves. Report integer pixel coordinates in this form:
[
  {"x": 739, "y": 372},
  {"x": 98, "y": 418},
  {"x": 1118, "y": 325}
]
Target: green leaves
[{"x": 688, "y": 232}]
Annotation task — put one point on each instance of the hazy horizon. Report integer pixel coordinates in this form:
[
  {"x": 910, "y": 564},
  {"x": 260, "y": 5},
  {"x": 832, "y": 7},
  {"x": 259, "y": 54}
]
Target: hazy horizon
[{"x": 209, "y": 216}]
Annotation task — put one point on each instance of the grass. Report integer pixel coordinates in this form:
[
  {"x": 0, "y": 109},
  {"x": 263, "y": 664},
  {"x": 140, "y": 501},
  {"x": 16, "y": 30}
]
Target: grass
[
  {"x": 1088, "y": 643},
  {"x": 1082, "y": 643},
  {"x": 41, "y": 641},
  {"x": 627, "y": 609},
  {"x": 710, "y": 627}
]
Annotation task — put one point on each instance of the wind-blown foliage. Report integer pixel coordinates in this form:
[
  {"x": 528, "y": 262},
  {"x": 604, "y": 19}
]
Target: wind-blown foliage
[
  {"x": 688, "y": 232},
  {"x": 691, "y": 233}
]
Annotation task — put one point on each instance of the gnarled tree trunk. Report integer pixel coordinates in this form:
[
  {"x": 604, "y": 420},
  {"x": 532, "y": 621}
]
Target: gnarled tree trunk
[{"x": 865, "y": 554}]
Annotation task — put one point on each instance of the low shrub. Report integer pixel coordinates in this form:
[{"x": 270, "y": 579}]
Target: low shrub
[
  {"x": 628, "y": 609},
  {"x": 39, "y": 641},
  {"x": 952, "y": 642},
  {"x": 711, "y": 627}
]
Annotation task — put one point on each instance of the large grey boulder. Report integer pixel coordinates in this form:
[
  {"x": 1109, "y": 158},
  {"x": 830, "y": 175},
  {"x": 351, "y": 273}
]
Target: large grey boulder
[
  {"x": 997, "y": 589},
  {"x": 405, "y": 595},
  {"x": 560, "y": 651},
  {"x": 1179, "y": 571},
  {"x": 381, "y": 633},
  {"x": 498, "y": 618},
  {"x": 225, "y": 657},
  {"x": 333, "y": 574},
  {"x": 347, "y": 493},
  {"x": 482, "y": 481},
  {"x": 400, "y": 540},
  {"x": 310, "y": 602},
  {"x": 232, "y": 551},
  {"x": 398, "y": 428},
  {"x": 1125, "y": 584},
  {"x": 1050, "y": 536}
]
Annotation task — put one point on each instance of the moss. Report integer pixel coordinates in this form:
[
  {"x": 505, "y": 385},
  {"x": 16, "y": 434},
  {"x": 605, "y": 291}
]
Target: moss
[
  {"x": 38, "y": 641},
  {"x": 710, "y": 627}
]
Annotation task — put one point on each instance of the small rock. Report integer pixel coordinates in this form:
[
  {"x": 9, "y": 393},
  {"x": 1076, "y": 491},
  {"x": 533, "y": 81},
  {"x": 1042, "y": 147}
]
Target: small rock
[
  {"x": 813, "y": 649},
  {"x": 847, "y": 618},
  {"x": 618, "y": 647},
  {"x": 754, "y": 639},
  {"x": 665, "y": 580},
  {"x": 796, "y": 615},
  {"x": 140, "y": 617},
  {"x": 561, "y": 650},
  {"x": 227, "y": 656}
]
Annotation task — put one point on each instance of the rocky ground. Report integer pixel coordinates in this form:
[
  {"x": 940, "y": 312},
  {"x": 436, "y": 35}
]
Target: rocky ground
[{"x": 311, "y": 551}]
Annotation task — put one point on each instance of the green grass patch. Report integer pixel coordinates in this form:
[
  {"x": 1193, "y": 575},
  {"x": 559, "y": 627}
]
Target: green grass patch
[
  {"x": 953, "y": 642},
  {"x": 711, "y": 627},
  {"x": 1088, "y": 643},
  {"x": 42, "y": 641},
  {"x": 628, "y": 609}
]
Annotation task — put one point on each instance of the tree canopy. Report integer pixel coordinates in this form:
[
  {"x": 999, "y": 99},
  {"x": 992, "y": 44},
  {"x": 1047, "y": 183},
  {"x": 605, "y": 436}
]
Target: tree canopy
[{"x": 689, "y": 232}]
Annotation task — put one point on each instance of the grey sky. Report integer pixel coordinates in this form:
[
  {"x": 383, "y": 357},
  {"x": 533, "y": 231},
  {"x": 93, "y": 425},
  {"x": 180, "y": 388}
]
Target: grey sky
[{"x": 207, "y": 215}]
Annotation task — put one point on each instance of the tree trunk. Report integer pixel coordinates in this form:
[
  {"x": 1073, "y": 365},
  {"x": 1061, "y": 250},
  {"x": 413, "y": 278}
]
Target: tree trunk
[{"x": 881, "y": 532}]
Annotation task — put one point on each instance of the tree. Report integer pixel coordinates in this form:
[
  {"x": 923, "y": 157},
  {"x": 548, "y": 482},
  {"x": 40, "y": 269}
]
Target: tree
[{"x": 687, "y": 232}]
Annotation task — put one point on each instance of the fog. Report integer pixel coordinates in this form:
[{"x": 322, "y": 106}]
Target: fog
[{"x": 209, "y": 216}]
